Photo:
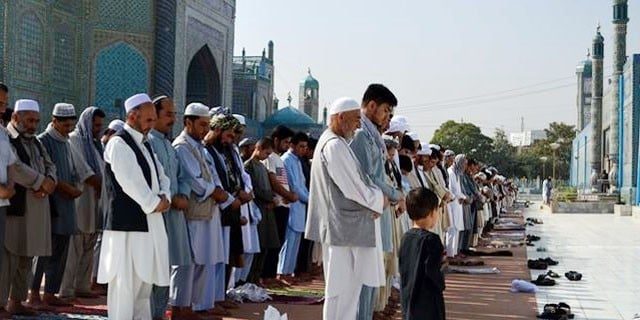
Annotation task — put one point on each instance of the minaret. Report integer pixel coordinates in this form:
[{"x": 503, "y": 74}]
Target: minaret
[
  {"x": 620, "y": 20},
  {"x": 596, "y": 109}
]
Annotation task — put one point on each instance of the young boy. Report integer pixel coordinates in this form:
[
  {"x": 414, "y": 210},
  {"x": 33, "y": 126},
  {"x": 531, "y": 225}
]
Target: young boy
[{"x": 421, "y": 260}]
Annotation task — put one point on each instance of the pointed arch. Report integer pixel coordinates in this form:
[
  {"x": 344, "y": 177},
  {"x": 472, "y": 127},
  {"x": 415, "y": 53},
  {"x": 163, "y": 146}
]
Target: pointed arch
[
  {"x": 203, "y": 79},
  {"x": 120, "y": 71}
]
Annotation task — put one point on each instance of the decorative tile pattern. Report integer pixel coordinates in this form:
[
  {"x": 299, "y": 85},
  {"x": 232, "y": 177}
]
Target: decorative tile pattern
[
  {"x": 121, "y": 71},
  {"x": 125, "y": 15},
  {"x": 2, "y": 40},
  {"x": 63, "y": 57},
  {"x": 30, "y": 48}
]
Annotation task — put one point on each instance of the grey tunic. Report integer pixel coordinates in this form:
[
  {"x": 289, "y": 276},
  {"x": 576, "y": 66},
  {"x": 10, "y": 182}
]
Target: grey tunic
[{"x": 30, "y": 235}]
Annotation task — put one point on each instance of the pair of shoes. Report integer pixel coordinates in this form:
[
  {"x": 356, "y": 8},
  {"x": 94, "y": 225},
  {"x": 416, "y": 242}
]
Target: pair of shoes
[
  {"x": 537, "y": 265},
  {"x": 560, "y": 311},
  {"x": 544, "y": 281},
  {"x": 573, "y": 276}
]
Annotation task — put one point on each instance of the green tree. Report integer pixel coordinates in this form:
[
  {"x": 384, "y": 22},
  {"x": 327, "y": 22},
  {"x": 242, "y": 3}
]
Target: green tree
[
  {"x": 504, "y": 155},
  {"x": 559, "y": 133},
  {"x": 464, "y": 138}
]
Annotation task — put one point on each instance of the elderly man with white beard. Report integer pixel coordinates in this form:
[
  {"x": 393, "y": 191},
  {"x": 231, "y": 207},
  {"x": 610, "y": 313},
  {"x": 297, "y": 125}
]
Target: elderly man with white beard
[{"x": 343, "y": 205}]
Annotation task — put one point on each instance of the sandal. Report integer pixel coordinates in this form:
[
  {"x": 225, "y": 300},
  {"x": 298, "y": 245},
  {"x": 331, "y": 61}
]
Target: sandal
[
  {"x": 553, "y": 274},
  {"x": 552, "y": 312},
  {"x": 537, "y": 265},
  {"x": 573, "y": 276},
  {"x": 544, "y": 281},
  {"x": 566, "y": 309}
]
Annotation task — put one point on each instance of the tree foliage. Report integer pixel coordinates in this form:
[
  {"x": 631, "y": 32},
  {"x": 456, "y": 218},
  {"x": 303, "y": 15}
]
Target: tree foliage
[
  {"x": 497, "y": 151},
  {"x": 463, "y": 138}
]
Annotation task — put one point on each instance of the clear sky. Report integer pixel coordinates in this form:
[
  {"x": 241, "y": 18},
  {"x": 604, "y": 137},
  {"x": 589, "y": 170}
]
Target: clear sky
[{"x": 433, "y": 54}]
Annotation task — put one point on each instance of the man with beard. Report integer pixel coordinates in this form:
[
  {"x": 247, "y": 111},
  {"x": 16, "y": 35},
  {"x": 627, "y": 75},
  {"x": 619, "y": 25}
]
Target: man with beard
[
  {"x": 85, "y": 141},
  {"x": 343, "y": 206},
  {"x": 134, "y": 253},
  {"x": 72, "y": 172},
  {"x": 28, "y": 225},
  {"x": 193, "y": 286},
  {"x": 174, "y": 221},
  {"x": 377, "y": 105},
  {"x": 220, "y": 145}
]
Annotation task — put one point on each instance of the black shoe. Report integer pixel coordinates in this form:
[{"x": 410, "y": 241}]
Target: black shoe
[
  {"x": 537, "y": 265},
  {"x": 544, "y": 281},
  {"x": 573, "y": 276}
]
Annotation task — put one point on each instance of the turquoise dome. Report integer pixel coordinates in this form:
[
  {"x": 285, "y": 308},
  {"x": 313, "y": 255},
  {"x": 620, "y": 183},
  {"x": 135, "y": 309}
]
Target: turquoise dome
[
  {"x": 310, "y": 82},
  {"x": 289, "y": 116}
]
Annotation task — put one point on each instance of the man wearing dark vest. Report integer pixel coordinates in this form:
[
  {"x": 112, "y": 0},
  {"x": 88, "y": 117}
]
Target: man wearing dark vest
[
  {"x": 134, "y": 253},
  {"x": 219, "y": 143},
  {"x": 28, "y": 226}
]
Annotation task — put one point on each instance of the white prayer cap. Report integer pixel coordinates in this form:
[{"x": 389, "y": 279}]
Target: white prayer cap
[
  {"x": 343, "y": 104},
  {"x": 398, "y": 124},
  {"x": 434, "y": 146},
  {"x": 449, "y": 153},
  {"x": 413, "y": 136},
  {"x": 64, "y": 110},
  {"x": 424, "y": 150},
  {"x": 196, "y": 109},
  {"x": 247, "y": 142},
  {"x": 240, "y": 118},
  {"x": 135, "y": 101},
  {"x": 26, "y": 105},
  {"x": 116, "y": 125}
]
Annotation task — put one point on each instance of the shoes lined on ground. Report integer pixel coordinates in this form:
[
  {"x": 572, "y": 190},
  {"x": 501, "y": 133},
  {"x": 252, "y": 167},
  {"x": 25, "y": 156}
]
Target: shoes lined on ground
[
  {"x": 537, "y": 265},
  {"x": 573, "y": 276},
  {"x": 544, "y": 280},
  {"x": 560, "y": 311}
]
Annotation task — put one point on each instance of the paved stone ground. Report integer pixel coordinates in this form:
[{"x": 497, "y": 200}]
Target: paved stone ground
[{"x": 605, "y": 249}]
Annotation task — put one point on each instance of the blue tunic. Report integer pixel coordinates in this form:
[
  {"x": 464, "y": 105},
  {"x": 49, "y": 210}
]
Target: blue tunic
[{"x": 174, "y": 220}]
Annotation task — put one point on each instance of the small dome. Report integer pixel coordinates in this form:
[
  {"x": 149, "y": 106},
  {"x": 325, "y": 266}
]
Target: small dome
[{"x": 310, "y": 82}]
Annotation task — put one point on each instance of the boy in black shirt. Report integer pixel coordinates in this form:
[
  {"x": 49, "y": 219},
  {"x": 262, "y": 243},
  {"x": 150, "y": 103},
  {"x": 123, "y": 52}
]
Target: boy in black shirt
[{"x": 421, "y": 259}]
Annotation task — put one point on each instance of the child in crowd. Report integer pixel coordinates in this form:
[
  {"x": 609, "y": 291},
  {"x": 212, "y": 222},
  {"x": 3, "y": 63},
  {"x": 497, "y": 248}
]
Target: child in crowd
[{"x": 421, "y": 260}]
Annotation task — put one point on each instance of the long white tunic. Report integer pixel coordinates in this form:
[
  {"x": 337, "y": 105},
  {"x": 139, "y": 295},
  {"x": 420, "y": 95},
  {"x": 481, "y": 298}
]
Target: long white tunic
[
  {"x": 150, "y": 249},
  {"x": 456, "y": 212}
]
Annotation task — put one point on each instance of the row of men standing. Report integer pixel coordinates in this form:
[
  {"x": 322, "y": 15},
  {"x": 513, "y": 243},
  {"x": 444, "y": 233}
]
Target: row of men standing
[{"x": 178, "y": 216}]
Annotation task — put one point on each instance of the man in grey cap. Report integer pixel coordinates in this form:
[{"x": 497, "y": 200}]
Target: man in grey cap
[
  {"x": 72, "y": 171},
  {"x": 28, "y": 228}
]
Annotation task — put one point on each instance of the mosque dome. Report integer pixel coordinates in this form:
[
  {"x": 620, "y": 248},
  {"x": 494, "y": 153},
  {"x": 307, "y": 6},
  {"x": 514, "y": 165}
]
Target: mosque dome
[{"x": 310, "y": 82}]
